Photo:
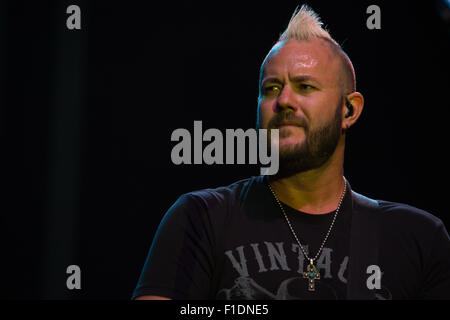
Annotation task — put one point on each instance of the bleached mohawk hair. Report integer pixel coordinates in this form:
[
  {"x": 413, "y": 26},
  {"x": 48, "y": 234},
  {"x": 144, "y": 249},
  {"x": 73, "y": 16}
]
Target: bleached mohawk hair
[{"x": 305, "y": 24}]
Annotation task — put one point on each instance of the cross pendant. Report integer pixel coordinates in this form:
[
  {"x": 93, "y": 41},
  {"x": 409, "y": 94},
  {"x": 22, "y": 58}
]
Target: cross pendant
[{"x": 311, "y": 274}]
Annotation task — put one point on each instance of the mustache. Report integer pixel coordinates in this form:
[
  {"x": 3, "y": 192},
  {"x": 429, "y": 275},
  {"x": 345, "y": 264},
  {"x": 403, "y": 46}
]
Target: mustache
[{"x": 279, "y": 118}]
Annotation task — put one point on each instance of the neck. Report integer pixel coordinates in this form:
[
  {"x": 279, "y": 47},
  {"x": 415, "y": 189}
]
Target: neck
[{"x": 316, "y": 191}]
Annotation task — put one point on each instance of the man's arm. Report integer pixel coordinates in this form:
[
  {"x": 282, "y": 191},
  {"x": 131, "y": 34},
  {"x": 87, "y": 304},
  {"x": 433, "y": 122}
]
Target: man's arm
[
  {"x": 152, "y": 298},
  {"x": 179, "y": 263},
  {"x": 437, "y": 279}
]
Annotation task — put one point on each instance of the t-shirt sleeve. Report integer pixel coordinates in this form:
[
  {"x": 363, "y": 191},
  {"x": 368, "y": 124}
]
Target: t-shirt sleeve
[
  {"x": 179, "y": 264},
  {"x": 436, "y": 283}
]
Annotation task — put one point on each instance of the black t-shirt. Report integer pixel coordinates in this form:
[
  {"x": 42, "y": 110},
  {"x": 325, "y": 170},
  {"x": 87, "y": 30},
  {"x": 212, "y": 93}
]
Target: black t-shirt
[{"x": 233, "y": 242}]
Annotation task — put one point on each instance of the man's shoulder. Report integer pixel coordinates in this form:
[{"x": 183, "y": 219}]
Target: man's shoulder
[
  {"x": 401, "y": 212},
  {"x": 405, "y": 211},
  {"x": 235, "y": 191}
]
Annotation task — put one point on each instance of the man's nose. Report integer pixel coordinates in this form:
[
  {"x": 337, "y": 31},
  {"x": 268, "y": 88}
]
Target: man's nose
[{"x": 286, "y": 99}]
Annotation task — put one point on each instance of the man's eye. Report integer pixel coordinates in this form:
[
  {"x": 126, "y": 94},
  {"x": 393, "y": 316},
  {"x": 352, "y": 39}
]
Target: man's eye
[
  {"x": 271, "y": 90},
  {"x": 306, "y": 87}
]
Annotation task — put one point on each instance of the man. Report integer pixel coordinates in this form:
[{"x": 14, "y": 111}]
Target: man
[{"x": 303, "y": 233}]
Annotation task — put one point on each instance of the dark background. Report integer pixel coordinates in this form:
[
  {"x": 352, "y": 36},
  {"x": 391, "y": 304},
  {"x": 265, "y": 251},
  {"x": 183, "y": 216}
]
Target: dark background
[{"x": 87, "y": 117}]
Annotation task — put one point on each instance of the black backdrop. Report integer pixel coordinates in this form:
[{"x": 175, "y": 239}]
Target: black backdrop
[{"x": 87, "y": 117}]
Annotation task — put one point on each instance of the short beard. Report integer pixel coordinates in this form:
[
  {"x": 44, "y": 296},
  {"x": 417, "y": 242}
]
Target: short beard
[{"x": 318, "y": 147}]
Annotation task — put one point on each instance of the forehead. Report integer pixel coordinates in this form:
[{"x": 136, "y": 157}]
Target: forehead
[{"x": 295, "y": 57}]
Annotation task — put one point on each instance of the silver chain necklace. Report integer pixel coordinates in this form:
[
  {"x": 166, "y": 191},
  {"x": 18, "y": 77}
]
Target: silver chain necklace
[{"x": 311, "y": 273}]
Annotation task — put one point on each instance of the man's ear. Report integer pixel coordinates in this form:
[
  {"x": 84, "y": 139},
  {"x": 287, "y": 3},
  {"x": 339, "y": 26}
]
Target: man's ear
[{"x": 352, "y": 109}]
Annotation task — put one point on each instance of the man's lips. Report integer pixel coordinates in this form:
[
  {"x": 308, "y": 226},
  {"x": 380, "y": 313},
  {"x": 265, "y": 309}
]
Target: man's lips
[{"x": 288, "y": 124}]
